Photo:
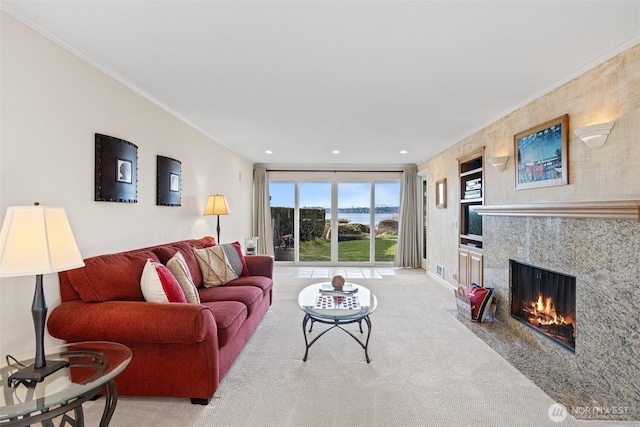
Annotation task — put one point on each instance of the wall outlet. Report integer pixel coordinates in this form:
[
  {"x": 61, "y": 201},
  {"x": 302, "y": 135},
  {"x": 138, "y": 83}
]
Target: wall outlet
[{"x": 440, "y": 270}]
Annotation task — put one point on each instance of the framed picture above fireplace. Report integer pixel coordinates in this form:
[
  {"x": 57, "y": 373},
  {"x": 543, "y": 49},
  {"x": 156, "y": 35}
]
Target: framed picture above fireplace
[{"x": 541, "y": 154}]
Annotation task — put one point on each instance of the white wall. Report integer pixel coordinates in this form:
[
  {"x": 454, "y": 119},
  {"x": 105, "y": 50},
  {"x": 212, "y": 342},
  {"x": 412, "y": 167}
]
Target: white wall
[{"x": 52, "y": 103}]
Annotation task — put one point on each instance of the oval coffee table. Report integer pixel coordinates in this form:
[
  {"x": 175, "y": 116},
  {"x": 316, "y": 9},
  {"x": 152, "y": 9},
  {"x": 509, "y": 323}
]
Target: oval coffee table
[{"x": 336, "y": 311}]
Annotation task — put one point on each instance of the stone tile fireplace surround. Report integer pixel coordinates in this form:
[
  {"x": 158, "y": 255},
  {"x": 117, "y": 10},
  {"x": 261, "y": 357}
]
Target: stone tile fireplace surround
[{"x": 601, "y": 380}]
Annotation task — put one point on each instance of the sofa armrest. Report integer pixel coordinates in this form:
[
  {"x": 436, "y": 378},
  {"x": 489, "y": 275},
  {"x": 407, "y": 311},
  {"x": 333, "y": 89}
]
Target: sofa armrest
[
  {"x": 260, "y": 265},
  {"x": 132, "y": 322}
]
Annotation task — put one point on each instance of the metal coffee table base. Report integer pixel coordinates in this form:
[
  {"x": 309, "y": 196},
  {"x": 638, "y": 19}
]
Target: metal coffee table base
[{"x": 336, "y": 323}]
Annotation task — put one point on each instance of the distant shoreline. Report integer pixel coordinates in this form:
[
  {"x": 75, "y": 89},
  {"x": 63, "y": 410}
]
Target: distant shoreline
[{"x": 364, "y": 218}]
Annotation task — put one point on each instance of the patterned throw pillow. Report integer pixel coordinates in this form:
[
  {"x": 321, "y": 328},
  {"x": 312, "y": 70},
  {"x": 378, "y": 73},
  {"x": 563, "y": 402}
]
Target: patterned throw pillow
[
  {"x": 233, "y": 251},
  {"x": 178, "y": 267},
  {"x": 480, "y": 299},
  {"x": 158, "y": 284},
  {"x": 215, "y": 266}
]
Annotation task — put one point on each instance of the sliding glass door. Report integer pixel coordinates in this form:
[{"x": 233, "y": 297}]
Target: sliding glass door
[
  {"x": 387, "y": 211},
  {"x": 335, "y": 221},
  {"x": 314, "y": 203},
  {"x": 354, "y": 222},
  {"x": 282, "y": 197}
]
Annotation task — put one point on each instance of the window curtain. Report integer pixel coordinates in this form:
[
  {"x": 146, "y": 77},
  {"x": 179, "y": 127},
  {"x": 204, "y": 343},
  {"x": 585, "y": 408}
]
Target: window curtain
[
  {"x": 408, "y": 250},
  {"x": 262, "y": 212}
]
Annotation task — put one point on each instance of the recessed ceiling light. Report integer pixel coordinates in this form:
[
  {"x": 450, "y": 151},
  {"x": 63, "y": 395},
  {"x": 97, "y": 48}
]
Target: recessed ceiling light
[
  {"x": 268, "y": 151},
  {"x": 335, "y": 152},
  {"x": 403, "y": 151}
]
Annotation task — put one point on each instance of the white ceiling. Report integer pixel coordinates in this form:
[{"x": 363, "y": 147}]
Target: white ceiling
[{"x": 368, "y": 78}]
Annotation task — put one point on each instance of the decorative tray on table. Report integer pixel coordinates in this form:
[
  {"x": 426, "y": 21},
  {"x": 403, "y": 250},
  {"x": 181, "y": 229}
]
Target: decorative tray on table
[{"x": 346, "y": 303}]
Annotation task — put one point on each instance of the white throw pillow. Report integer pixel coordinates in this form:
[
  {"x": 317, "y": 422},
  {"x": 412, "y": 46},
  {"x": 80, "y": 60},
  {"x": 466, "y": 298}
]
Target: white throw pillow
[
  {"x": 158, "y": 284},
  {"x": 215, "y": 267}
]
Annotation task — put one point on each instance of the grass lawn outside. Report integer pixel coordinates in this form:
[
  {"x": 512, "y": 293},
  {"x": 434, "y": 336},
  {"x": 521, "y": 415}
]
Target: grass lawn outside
[{"x": 348, "y": 251}]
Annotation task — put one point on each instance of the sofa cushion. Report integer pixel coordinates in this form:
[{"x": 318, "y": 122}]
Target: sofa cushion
[
  {"x": 166, "y": 252},
  {"x": 180, "y": 270},
  {"x": 159, "y": 285},
  {"x": 248, "y": 295},
  {"x": 110, "y": 277},
  {"x": 229, "y": 317},
  {"x": 261, "y": 282},
  {"x": 204, "y": 242},
  {"x": 215, "y": 267}
]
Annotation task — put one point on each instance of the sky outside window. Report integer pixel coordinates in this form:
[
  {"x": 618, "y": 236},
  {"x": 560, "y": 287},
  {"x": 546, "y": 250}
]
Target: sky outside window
[
  {"x": 319, "y": 195},
  {"x": 282, "y": 194},
  {"x": 314, "y": 195}
]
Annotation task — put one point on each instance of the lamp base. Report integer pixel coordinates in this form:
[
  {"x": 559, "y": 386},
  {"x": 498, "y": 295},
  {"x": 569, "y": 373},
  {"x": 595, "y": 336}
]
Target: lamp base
[{"x": 30, "y": 375}]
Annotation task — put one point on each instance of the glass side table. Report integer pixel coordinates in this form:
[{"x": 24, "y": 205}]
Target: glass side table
[{"x": 92, "y": 366}]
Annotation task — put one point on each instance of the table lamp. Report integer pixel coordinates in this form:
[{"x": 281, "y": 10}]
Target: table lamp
[
  {"x": 217, "y": 205},
  {"x": 37, "y": 240}
]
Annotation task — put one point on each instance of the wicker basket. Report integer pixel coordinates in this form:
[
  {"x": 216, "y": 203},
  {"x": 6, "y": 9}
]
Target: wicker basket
[{"x": 463, "y": 304}]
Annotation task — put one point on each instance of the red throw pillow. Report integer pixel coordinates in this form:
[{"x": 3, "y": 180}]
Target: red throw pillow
[
  {"x": 159, "y": 285},
  {"x": 479, "y": 298}
]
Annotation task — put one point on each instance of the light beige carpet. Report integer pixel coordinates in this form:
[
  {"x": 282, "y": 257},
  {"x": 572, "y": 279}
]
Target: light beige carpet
[{"x": 427, "y": 369}]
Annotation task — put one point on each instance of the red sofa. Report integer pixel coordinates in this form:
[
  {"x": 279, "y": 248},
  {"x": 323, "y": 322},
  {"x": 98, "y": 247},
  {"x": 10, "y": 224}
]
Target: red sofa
[{"x": 179, "y": 350}]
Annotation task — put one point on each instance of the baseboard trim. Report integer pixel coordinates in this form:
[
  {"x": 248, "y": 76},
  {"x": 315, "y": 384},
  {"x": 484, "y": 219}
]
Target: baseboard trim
[{"x": 441, "y": 280}]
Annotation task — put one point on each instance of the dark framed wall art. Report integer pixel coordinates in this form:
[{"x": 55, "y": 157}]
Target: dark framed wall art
[
  {"x": 116, "y": 170},
  {"x": 541, "y": 154},
  {"x": 169, "y": 181}
]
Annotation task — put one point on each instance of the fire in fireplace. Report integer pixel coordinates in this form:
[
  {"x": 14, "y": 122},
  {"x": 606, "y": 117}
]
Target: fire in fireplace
[{"x": 546, "y": 301}]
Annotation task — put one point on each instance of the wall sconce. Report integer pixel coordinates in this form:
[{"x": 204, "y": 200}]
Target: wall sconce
[
  {"x": 594, "y": 136},
  {"x": 499, "y": 162}
]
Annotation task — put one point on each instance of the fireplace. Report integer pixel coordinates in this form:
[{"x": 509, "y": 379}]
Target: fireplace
[{"x": 545, "y": 301}]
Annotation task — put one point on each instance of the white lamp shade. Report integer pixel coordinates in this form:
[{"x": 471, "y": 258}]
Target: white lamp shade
[
  {"x": 37, "y": 240},
  {"x": 217, "y": 205}
]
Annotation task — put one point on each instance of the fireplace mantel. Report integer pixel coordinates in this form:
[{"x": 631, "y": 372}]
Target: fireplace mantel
[{"x": 614, "y": 209}]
